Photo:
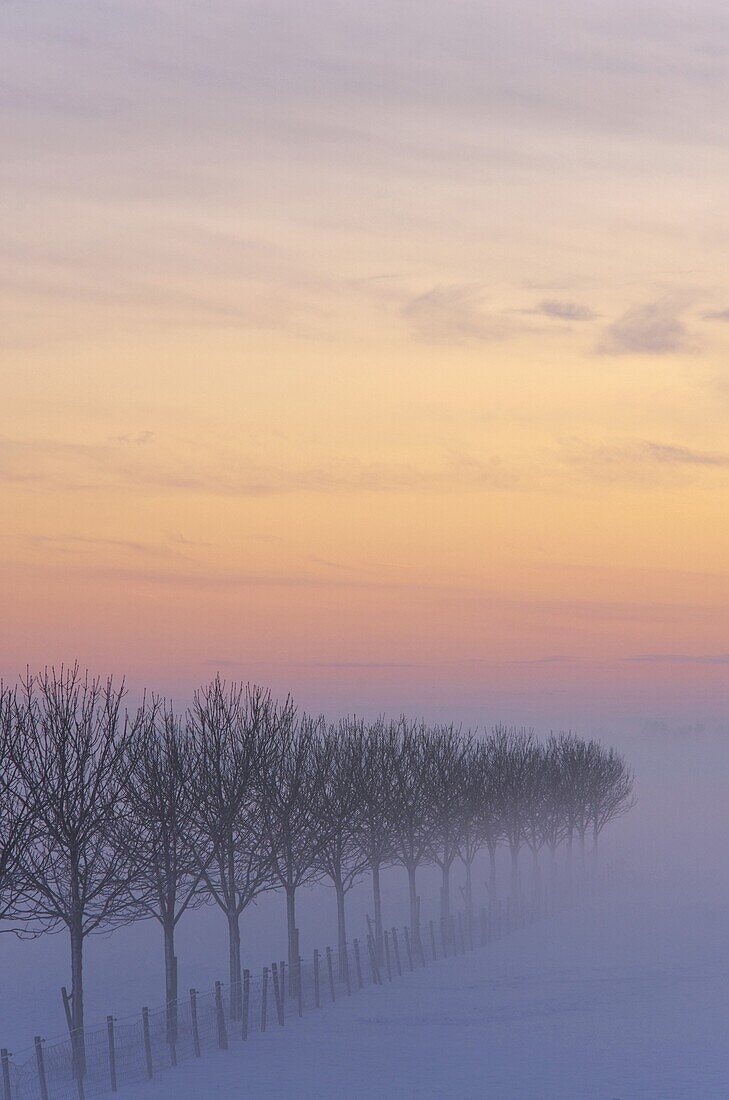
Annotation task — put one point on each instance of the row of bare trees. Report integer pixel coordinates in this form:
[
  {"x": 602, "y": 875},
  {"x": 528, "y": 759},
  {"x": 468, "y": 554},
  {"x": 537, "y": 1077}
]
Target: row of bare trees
[{"x": 107, "y": 816}]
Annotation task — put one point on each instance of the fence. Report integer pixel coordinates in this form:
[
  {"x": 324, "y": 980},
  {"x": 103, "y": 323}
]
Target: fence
[{"x": 125, "y": 1052}]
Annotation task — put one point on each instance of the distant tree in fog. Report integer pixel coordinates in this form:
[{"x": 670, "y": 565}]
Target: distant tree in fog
[
  {"x": 512, "y": 753},
  {"x": 448, "y": 799},
  {"x": 609, "y": 791}
]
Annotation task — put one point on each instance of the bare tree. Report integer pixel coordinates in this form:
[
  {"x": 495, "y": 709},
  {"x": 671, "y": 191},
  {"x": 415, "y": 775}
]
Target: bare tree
[
  {"x": 448, "y": 753},
  {"x": 158, "y": 829},
  {"x": 69, "y": 749},
  {"x": 610, "y": 791},
  {"x": 375, "y": 746},
  {"x": 336, "y": 766},
  {"x": 413, "y": 825},
  {"x": 512, "y": 753},
  {"x": 230, "y": 728},
  {"x": 291, "y": 816},
  {"x": 16, "y": 816}
]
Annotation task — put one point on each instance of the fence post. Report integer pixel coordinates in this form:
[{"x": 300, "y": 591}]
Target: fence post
[
  {"x": 147, "y": 1043},
  {"x": 317, "y": 995},
  {"x": 443, "y": 938},
  {"x": 408, "y": 947},
  {"x": 112, "y": 1051},
  {"x": 373, "y": 961},
  {"x": 41, "y": 1067},
  {"x": 331, "y": 972},
  {"x": 432, "y": 941},
  {"x": 264, "y": 998},
  {"x": 292, "y": 979},
  {"x": 387, "y": 956},
  {"x": 193, "y": 1021},
  {"x": 6, "y": 1073},
  {"x": 358, "y": 964},
  {"x": 397, "y": 952},
  {"x": 246, "y": 1003},
  {"x": 277, "y": 992},
  {"x": 300, "y": 988},
  {"x": 222, "y": 1033},
  {"x": 347, "y": 978}
]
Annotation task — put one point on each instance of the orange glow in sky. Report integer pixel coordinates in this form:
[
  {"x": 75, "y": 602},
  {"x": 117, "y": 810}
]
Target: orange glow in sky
[{"x": 370, "y": 352}]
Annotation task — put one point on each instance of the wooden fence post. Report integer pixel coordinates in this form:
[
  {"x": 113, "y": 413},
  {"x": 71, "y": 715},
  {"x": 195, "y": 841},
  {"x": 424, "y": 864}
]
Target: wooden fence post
[
  {"x": 373, "y": 961},
  {"x": 443, "y": 938},
  {"x": 432, "y": 941},
  {"x": 396, "y": 946},
  {"x": 6, "y": 1073},
  {"x": 112, "y": 1051},
  {"x": 300, "y": 988},
  {"x": 147, "y": 1043},
  {"x": 317, "y": 994},
  {"x": 220, "y": 1017},
  {"x": 193, "y": 1021},
  {"x": 331, "y": 972},
  {"x": 278, "y": 994},
  {"x": 41, "y": 1067},
  {"x": 347, "y": 978},
  {"x": 358, "y": 964},
  {"x": 388, "y": 964},
  {"x": 292, "y": 978},
  {"x": 408, "y": 947},
  {"x": 264, "y": 998},
  {"x": 246, "y": 1003}
]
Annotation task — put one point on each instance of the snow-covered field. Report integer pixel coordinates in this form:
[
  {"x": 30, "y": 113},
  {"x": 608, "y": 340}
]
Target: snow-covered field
[{"x": 626, "y": 1000}]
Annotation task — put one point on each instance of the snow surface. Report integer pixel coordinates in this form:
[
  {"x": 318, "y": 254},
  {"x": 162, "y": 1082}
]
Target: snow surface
[{"x": 620, "y": 1002}]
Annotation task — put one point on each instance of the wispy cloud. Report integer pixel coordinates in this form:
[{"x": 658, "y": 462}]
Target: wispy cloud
[
  {"x": 680, "y": 658},
  {"x": 639, "y": 460},
  {"x": 564, "y": 311},
  {"x": 716, "y": 315},
  {"x": 652, "y": 329},
  {"x": 453, "y": 314}
]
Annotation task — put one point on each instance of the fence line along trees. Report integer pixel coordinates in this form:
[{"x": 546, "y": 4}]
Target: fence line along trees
[
  {"x": 231, "y": 729},
  {"x": 158, "y": 829},
  {"x": 68, "y": 746}
]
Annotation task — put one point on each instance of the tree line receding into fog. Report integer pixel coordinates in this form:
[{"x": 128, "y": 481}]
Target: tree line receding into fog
[{"x": 109, "y": 816}]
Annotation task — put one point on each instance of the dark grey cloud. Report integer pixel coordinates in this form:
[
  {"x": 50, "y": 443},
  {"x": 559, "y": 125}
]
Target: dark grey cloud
[{"x": 652, "y": 329}]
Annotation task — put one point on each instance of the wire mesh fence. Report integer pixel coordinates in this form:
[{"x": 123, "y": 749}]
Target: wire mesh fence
[{"x": 133, "y": 1050}]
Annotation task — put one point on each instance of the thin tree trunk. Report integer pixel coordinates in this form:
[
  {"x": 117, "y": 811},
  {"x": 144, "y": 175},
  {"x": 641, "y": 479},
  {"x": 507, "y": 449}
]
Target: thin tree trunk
[
  {"x": 445, "y": 895},
  {"x": 235, "y": 975},
  {"x": 77, "y": 991},
  {"x": 515, "y": 871},
  {"x": 168, "y": 928},
  {"x": 291, "y": 924},
  {"x": 468, "y": 894},
  {"x": 341, "y": 931},
  {"x": 492, "y": 873},
  {"x": 414, "y": 922},
  {"x": 570, "y": 865},
  {"x": 379, "y": 935}
]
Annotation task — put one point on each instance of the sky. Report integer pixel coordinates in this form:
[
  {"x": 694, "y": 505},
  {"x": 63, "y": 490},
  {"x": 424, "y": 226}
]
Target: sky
[{"x": 376, "y": 352}]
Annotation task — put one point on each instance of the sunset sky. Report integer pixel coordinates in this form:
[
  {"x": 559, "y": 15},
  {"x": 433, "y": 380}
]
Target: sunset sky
[{"x": 375, "y": 351}]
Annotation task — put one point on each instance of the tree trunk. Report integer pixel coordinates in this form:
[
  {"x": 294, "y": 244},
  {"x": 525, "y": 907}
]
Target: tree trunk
[
  {"x": 515, "y": 872},
  {"x": 414, "y": 921},
  {"x": 341, "y": 932},
  {"x": 292, "y": 936},
  {"x": 234, "y": 964},
  {"x": 77, "y": 992},
  {"x": 570, "y": 867},
  {"x": 468, "y": 894},
  {"x": 537, "y": 881},
  {"x": 168, "y": 928},
  {"x": 445, "y": 895},
  {"x": 379, "y": 935},
  {"x": 492, "y": 873}
]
